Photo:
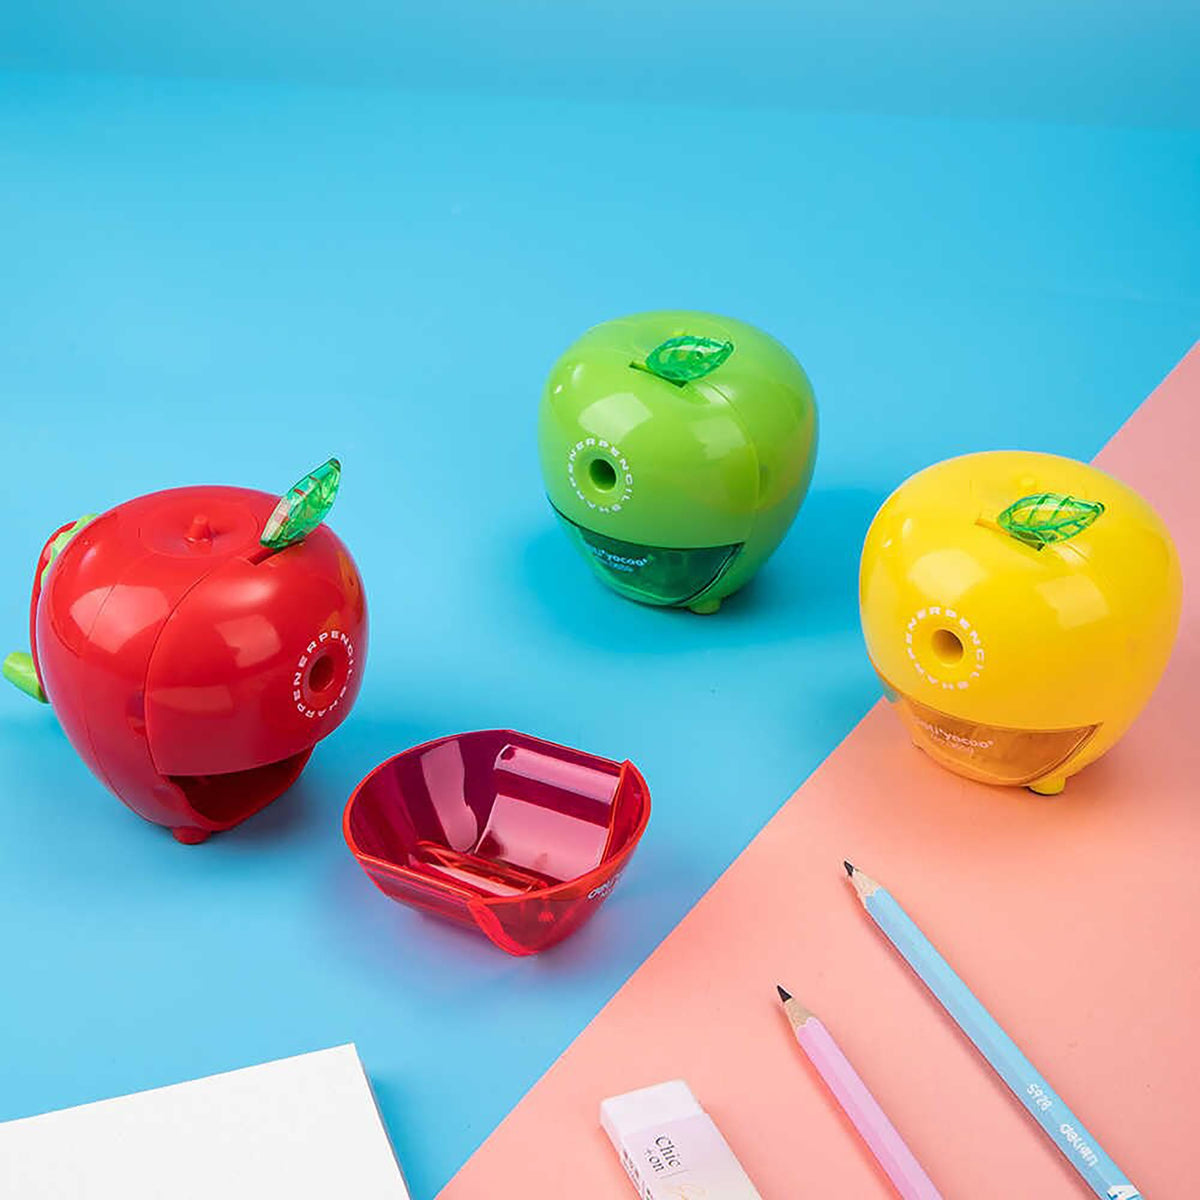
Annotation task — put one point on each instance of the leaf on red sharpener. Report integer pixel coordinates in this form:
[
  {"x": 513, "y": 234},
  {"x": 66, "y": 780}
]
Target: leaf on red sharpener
[{"x": 305, "y": 505}]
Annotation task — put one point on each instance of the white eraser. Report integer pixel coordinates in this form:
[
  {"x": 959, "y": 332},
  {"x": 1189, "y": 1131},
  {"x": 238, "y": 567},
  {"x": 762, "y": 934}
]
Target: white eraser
[
  {"x": 623, "y": 1115},
  {"x": 666, "y": 1142}
]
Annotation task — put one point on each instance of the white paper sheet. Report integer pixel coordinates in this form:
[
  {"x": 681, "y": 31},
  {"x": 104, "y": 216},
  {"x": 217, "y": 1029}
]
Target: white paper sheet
[{"x": 303, "y": 1128}]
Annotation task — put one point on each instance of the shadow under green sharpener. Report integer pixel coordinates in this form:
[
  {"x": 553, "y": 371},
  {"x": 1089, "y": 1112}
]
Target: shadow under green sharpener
[{"x": 676, "y": 448}]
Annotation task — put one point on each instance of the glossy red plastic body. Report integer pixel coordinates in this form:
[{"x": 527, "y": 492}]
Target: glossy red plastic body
[
  {"x": 191, "y": 668},
  {"x": 519, "y": 837}
]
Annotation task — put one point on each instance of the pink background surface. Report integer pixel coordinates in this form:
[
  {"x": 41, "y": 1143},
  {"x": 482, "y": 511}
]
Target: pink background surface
[{"x": 1075, "y": 919}]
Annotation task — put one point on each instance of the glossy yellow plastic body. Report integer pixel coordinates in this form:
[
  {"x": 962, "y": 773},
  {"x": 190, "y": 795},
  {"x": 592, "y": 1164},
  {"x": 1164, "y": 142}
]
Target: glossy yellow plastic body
[{"x": 1014, "y": 660}]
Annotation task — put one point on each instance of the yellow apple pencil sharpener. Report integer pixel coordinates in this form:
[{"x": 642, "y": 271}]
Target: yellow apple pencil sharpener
[{"x": 1019, "y": 609}]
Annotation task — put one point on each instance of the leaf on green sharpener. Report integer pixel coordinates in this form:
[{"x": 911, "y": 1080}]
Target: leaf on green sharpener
[
  {"x": 303, "y": 508},
  {"x": 682, "y": 359},
  {"x": 20, "y": 672},
  {"x": 1048, "y": 517}
]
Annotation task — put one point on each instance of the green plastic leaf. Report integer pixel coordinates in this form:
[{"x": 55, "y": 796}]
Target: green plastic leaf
[
  {"x": 1048, "y": 517},
  {"x": 303, "y": 507},
  {"x": 682, "y": 359},
  {"x": 20, "y": 672}
]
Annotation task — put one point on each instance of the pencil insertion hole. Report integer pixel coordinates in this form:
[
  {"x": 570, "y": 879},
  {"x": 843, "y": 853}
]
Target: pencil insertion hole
[
  {"x": 947, "y": 646},
  {"x": 320, "y": 675},
  {"x": 602, "y": 474}
]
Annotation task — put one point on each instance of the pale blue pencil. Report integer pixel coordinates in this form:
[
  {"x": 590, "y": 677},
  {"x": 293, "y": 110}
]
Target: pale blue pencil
[{"x": 1065, "y": 1129}]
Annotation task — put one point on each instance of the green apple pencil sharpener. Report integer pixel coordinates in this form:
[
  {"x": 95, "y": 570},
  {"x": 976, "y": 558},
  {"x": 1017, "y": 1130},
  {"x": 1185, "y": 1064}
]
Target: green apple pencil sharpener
[{"x": 676, "y": 448}]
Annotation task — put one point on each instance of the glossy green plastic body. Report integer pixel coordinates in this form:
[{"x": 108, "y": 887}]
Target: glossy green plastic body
[{"x": 677, "y": 487}]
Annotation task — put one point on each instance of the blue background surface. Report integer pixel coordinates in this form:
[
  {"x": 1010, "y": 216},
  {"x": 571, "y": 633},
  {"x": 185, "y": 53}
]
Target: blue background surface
[
  {"x": 208, "y": 281},
  {"x": 1104, "y": 61}
]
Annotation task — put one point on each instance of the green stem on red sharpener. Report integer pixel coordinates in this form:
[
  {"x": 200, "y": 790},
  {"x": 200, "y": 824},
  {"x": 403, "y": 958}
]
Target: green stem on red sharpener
[
  {"x": 21, "y": 673},
  {"x": 303, "y": 507}
]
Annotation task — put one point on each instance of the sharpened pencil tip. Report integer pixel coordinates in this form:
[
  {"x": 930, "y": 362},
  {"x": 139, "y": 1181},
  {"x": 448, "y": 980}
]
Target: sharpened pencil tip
[
  {"x": 849, "y": 868},
  {"x": 784, "y": 995}
]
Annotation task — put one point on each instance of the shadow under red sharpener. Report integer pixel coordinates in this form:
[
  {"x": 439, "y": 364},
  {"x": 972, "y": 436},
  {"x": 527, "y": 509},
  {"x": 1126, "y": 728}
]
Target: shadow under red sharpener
[{"x": 518, "y": 837}]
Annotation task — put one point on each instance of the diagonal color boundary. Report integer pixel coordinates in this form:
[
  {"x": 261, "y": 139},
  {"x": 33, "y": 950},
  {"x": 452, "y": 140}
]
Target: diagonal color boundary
[{"x": 1075, "y": 919}]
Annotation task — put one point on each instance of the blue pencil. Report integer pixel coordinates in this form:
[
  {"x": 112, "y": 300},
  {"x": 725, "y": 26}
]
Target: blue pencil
[{"x": 1065, "y": 1129}]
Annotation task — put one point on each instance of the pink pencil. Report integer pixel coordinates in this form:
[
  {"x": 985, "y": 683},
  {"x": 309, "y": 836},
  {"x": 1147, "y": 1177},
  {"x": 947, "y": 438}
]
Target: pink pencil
[{"x": 906, "y": 1174}]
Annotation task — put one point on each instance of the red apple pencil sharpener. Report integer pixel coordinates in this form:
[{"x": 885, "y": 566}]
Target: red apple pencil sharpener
[
  {"x": 195, "y": 645},
  {"x": 518, "y": 837}
]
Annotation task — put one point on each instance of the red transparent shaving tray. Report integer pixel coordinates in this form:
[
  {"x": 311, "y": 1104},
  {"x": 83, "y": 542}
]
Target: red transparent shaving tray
[{"x": 518, "y": 837}]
